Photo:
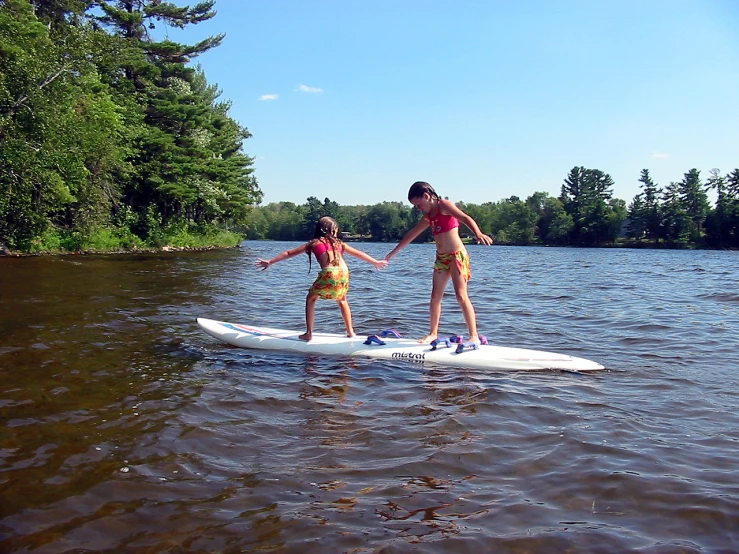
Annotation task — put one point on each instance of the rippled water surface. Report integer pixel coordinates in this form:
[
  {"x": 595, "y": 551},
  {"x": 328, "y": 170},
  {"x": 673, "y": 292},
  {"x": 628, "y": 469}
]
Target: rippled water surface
[{"x": 124, "y": 428}]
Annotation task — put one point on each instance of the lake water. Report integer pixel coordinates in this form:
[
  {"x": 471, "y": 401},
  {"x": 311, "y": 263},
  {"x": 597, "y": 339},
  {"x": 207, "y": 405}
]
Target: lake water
[{"x": 124, "y": 428}]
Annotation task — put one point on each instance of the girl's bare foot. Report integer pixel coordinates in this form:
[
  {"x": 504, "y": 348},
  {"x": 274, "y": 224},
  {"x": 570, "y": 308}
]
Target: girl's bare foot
[
  {"x": 306, "y": 336},
  {"x": 428, "y": 339},
  {"x": 351, "y": 334}
]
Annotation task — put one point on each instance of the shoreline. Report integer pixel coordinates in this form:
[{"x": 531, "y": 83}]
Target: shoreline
[{"x": 5, "y": 252}]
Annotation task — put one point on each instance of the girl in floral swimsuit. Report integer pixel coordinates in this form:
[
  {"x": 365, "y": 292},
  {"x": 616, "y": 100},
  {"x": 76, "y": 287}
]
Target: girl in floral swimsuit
[
  {"x": 333, "y": 279},
  {"x": 452, "y": 261}
]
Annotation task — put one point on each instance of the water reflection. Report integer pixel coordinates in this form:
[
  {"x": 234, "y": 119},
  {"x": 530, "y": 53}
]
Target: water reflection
[{"x": 124, "y": 428}]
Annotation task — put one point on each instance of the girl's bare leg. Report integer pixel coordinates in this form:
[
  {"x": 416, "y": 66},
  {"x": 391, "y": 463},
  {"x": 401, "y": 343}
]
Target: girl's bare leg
[
  {"x": 346, "y": 314},
  {"x": 468, "y": 310},
  {"x": 439, "y": 283},
  {"x": 310, "y": 316}
]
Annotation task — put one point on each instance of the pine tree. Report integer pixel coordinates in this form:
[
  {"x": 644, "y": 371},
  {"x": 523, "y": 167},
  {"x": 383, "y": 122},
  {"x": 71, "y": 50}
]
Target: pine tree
[
  {"x": 732, "y": 208},
  {"x": 586, "y": 196},
  {"x": 188, "y": 158},
  {"x": 717, "y": 219},
  {"x": 651, "y": 213},
  {"x": 695, "y": 203},
  {"x": 637, "y": 228},
  {"x": 675, "y": 228}
]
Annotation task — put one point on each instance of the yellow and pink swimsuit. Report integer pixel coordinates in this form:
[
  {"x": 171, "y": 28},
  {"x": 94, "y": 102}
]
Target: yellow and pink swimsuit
[
  {"x": 460, "y": 259},
  {"x": 332, "y": 282},
  {"x": 443, "y": 223}
]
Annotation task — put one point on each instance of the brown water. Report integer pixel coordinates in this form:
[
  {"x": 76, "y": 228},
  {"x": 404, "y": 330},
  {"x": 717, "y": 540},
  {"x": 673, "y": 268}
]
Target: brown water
[{"x": 124, "y": 428}]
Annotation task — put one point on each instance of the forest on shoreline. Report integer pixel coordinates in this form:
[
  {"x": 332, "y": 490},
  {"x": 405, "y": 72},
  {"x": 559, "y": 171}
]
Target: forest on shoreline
[
  {"x": 584, "y": 214},
  {"x": 110, "y": 140}
]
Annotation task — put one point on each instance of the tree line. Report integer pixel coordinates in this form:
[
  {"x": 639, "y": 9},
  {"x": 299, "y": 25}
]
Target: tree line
[
  {"x": 110, "y": 138},
  {"x": 584, "y": 214},
  {"x": 107, "y": 136}
]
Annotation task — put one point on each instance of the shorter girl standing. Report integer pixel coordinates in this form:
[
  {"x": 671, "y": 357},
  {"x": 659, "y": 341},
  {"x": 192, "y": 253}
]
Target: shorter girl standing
[
  {"x": 452, "y": 260},
  {"x": 333, "y": 279}
]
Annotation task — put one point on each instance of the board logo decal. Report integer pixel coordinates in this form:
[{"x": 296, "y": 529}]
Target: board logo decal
[{"x": 411, "y": 357}]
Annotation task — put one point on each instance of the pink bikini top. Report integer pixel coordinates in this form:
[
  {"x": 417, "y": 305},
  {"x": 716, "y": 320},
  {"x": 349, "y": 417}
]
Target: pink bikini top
[
  {"x": 443, "y": 223},
  {"x": 321, "y": 247}
]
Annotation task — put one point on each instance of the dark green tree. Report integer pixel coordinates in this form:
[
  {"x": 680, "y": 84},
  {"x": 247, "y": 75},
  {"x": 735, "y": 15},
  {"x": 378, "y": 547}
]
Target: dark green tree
[
  {"x": 59, "y": 13},
  {"x": 694, "y": 201},
  {"x": 732, "y": 209},
  {"x": 284, "y": 221},
  {"x": 481, "y": 213},
  {"x": 187, "y": 150},
  {"x": 389, "y": 221},
  {"x": 346, "y": 217},
  {"x": 516, "y": 221},
  {"x": 586, "y": 195},
  {"x": 537, "y": 201},
  {"x": 637, "y": 228},
  {"x": 644, "y": 212},
  {"x": 313, "y": 212},
  {"x": 676, "y": 223},
  {"x": 555, "y": 224},
  {"x": 718, "y": 220}
]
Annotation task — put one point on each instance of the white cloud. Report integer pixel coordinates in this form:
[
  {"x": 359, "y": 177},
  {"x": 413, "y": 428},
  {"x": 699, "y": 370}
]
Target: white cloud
[
  {"x": 306, "y": 88},
  {"x": 660, "y": 155},
  {"x": 268, "y": 97}
]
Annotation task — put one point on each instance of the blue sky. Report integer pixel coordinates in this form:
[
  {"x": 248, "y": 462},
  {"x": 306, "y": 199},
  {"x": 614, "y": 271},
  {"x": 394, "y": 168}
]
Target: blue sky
[{"x": 354, "y": 100}]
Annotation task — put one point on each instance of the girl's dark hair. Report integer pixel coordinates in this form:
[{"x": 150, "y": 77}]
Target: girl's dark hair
[
  {"x": 419, "y": 188},
  {"x": 326, "y": 228}
]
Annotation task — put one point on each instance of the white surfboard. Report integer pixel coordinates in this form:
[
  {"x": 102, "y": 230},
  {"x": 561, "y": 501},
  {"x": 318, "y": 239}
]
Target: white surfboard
[{"x": 444, "y": 353}]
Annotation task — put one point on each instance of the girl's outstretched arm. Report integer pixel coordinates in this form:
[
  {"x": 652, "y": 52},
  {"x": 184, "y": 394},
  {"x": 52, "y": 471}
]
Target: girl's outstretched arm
[
  {"x": 451, "y": 209},
  {"x": 409, "y": 237},
  {"x": 364, "y": 256},
  {"x": 287, "y": 254}
]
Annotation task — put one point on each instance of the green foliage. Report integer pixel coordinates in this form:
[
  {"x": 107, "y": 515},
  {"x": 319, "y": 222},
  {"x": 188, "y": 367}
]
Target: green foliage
[
  {"x": 180, "y": 234},
  {"x": 482, "y": 214},
  {"x": 49, "y": 241},
  {"x": 694, "y": 201},
  {"x": 676, "y": 224},
  {"x": 105, "y": 239},
  {"x": 516, "y": 222},
  {"x": 101, "y": 239},
  {"x": 540, "y": 219},
  {"x": 103, "y": 128},
  {"x": 554, "y": 224},
  {"x": 586, "y": 195},
  {"x": 185, "y": 234},
  {"x": 731, "y": 234},
  {"x": 644, "y": 212}
]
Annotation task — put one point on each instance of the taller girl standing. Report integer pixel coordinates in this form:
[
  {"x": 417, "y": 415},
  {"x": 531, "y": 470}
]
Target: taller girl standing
[{"x": 452, "y": 260}]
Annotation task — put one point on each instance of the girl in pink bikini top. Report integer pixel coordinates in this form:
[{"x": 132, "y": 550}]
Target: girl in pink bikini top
[
  {"x": 443, "y": 223},
  {"x": 333, "y": 279},
  {"x": 452, "y": 260},
  {"x": 323, "y": 245}
]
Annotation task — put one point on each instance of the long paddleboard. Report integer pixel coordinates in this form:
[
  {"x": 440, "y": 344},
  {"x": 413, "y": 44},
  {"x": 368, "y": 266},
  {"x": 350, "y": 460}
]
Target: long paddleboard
[{"x": 387, "y": 347}]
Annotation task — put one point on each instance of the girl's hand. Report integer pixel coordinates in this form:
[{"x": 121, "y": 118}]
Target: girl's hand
[
  {"x": 264, "y": 264},
  {"x": 382, "y": 264},
  {"x": 484, "y": 239}
]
